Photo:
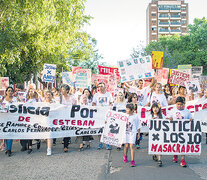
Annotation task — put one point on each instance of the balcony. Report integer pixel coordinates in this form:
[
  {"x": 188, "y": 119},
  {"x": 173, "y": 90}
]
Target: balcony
[
  {"x": 163, "y": 16},
  {"x": 175, "y": 16},
  {"x": 175, "y": 31},
  {"x": 175, "y": 23},
  {"x": 164, "y": 31},
  {"x": 175, "y": 9},
  {"x": 163, "y": 9},
  {"x": 163, "y": 23}
]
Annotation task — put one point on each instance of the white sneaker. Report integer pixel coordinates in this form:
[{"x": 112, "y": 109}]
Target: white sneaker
[{"x": 49, "y": 152}]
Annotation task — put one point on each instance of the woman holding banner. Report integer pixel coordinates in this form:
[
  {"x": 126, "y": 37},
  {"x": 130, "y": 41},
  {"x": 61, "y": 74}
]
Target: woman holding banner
[
  {"x": 7, "y": 100},
  {"x": 32, "y": 97},
  {"x": 81, "y": 139},
  {"x": 49, "y": 99},
  {"x": 67, "y": 99}
]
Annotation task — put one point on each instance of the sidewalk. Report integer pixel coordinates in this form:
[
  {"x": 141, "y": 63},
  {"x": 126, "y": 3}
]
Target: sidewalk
[{"x": 88, "y": 164}]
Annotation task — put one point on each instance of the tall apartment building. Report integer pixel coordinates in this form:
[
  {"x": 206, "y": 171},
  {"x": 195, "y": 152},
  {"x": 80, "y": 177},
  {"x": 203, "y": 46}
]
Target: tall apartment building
[{"x": 166, "y": 17}]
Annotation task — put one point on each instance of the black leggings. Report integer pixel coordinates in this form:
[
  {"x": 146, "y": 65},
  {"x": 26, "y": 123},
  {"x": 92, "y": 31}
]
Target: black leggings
[{"x": 66, "y": 141}]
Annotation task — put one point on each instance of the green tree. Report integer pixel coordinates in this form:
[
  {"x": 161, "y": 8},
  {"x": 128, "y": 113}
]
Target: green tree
[{"x": 34, "y": 32}]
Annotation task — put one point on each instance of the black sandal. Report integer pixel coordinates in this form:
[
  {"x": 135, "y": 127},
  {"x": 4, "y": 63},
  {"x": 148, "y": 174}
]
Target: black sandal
[
  {"x": 80, "y": 149},
  {"x": 159, "y": 163},
  {"x": 154, "y": 157},
  {"x": 88, "y": 146},
  {"x": 65, "y": 150},
  {"x": 29, "y": 151}
]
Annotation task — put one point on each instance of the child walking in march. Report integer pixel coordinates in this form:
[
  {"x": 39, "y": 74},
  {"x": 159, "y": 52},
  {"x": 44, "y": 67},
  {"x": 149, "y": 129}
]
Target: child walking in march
[
  {"x": 132, "y": 127},
  {"x": 156, "y": 113},
  {"x": 180, "y": 112}
]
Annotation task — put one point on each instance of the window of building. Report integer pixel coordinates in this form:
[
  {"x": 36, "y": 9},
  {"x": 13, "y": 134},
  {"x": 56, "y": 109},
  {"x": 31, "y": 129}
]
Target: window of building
[
  {"x": 154, "y": 29},
  {"x": 184, "y": 15},
  {"x": 183, "y": 21},
  {"x": 153, "y": 14}
]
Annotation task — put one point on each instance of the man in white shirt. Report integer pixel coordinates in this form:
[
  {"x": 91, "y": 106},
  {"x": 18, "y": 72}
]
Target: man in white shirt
[{"x": 102, "y": 98}]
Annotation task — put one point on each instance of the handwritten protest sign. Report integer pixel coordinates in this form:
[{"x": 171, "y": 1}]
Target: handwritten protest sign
[
  {"x": 133, "y": 69},
  {"x": 157, "y": 59},
  {"x": 185, "y": 66},
  {"x": 186, "y": 69},
  {"x": 4, "y": 82},
  {"x": 177, "y": 137},
  {"x": 97, "y": 78},
  {"x": 162, "y": 76},
  {"x": 67, "y": 78},
  {"x": 197, "y": 72},
  {"x": 83, "y": 78},
  {"x": 49, "y": 73},
  {"x": 114, "y": 132},
  {"x": 203, "y": 82},
  {"x": 45, "y": 120},
  {"x": 108, "y": 70},
  {"x": 114, "y": 72},
  {"x": 74, "y": 69},
  {"x": 193, "y": 86},
  {"x": 178, "y": 77}
]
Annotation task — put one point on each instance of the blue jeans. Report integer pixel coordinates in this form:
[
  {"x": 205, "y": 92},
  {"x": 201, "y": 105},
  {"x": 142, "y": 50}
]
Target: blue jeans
[{"x": 9, "y": 144}]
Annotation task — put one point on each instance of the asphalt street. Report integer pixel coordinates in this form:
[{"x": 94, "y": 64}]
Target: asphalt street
[{"x": 96, "y": 164}]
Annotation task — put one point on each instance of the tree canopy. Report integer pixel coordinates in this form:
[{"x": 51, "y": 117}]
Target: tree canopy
[{"x": 34, "y": 32}]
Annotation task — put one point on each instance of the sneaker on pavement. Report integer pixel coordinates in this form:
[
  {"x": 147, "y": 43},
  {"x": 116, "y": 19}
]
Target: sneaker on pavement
[
  {"x": 100, "y": 146},
  {"x": 175, "y": 158},
  {"x": 138, "y": 146},
  {"x": 49, "y": 152},
  {"x": 183, "y": 163},
  {"x": 108, "y": 147},
  {"x": 125, "y": 159},
  {"x": 133, "y": 163}
]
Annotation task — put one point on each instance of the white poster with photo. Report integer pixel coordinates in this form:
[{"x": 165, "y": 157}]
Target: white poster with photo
[
  {"x": 133, "y": 69},
  {"x": 49, "y": 73},
  {"x": 176, "y": 137},
  {"x": 193, "y": 86},
  {"x": 114, "y": 132},
  {"x": 67, "y": 78}
]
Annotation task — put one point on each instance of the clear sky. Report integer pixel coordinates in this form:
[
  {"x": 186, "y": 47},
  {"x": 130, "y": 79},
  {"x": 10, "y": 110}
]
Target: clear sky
[{"x": 120, "y": 25}]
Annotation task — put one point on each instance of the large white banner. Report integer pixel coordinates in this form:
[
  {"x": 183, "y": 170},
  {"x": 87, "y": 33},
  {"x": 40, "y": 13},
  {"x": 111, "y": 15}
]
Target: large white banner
[
  {"x": 43, "y": 120},
  {"x": 114, "y": 132},
  {"x": 192, "y": 106},
  {"x": 176, "y": 137},
  {"x": 202, "y": 115}
]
